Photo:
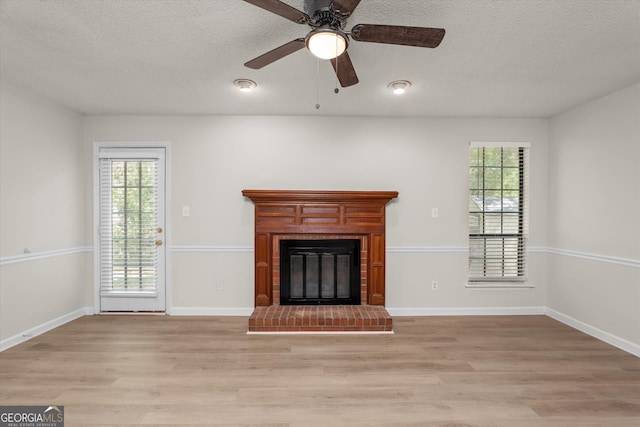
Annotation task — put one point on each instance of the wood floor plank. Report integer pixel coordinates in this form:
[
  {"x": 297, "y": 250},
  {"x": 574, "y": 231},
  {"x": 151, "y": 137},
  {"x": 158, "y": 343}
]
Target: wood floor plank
[{"x": 471, "y": 371}]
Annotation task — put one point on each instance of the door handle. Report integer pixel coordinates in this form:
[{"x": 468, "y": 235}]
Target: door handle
[{"x": 158, "y": 242}]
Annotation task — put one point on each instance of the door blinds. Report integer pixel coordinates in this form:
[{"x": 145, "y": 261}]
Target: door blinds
[{"x": 128, "y": 225}]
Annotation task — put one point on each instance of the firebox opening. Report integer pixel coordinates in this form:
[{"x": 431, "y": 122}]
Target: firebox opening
[{"x": 320, "y": 272}]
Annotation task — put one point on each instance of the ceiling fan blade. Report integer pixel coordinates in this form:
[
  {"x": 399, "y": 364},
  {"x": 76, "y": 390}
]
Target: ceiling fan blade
[
  {"x": 393, "y": 34},
  {"x": 282, "y": 9},
  {"x": 345, "y": 7},
  {"x": 275, "y": 54},
  {"x": 344, "y": 70}
]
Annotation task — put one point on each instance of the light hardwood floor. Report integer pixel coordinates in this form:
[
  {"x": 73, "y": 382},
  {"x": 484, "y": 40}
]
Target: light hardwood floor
[{"x": 434, "y": 371}]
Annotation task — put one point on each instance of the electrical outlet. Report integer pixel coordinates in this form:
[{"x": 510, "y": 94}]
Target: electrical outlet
[{"x": 434, "y": 285}]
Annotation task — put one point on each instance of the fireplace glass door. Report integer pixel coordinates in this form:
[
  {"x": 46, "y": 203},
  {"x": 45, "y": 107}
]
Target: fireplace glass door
[{"x": 314, "y": 272}]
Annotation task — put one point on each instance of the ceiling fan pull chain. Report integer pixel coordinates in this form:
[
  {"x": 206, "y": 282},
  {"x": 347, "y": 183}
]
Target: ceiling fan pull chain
[
  {"x": 317, "y": 83},
  {"x": 336, "y": 90}
]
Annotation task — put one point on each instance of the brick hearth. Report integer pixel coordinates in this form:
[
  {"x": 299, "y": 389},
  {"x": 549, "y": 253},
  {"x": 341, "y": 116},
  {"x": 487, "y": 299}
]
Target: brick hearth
[{"x": 313, "y": 318}]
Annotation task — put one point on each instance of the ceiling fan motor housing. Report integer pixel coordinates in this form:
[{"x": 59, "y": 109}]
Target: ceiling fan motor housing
[
  {"x": 321, "y": 14},
  {"x": 312, "y": 6}
]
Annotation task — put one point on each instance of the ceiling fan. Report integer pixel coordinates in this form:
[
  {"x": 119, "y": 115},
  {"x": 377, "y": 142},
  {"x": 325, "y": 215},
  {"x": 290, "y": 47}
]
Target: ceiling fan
[{"x": 328, "y": 38}]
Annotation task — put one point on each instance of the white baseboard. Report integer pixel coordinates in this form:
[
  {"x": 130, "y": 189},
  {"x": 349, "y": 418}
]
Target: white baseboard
[
  {"x": 465, "y": 311},
  {"x": 210, "y": 311},
  {"x": 399, "y": 311},
  {"x": 45, "y": 327},
  {"x": 614, "y": 340}
]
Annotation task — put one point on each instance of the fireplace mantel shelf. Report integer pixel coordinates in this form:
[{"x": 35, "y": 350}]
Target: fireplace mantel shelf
[{"x": 318, "y": 196}]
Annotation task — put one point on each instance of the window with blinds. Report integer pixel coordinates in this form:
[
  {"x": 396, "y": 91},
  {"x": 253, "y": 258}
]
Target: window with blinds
[
  {"x": 128, "y": 225},
  {"x": 498, "y": 212}
]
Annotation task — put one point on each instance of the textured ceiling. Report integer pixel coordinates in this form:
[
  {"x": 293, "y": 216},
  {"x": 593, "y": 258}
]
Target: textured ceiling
[{"x": 507, "y": 58}]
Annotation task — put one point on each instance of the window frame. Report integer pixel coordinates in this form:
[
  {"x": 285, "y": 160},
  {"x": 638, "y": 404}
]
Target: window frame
[{"x": 518, "y": 276}]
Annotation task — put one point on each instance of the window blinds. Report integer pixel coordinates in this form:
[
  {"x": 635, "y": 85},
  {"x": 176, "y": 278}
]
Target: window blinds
[
  {"x": 128, "y": 225},
  {"x": 498, "y": 212}
]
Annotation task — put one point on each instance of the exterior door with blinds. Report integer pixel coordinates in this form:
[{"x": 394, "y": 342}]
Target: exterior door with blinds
[{"x": 131, "y": 229}]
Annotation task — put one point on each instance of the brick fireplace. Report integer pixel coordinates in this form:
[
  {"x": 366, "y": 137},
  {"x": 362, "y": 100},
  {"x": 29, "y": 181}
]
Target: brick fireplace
[{"x": 317, "y": 215}]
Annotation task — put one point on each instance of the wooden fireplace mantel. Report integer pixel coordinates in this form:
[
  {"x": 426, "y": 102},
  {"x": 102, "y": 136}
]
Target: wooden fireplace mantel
[
  {"x": 295, "y": 212},
  {"x": 319, "y": 195}
]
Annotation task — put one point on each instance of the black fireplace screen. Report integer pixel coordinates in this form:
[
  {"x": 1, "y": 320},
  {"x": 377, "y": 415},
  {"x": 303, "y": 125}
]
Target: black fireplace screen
[{"x": 320, "y": 272}]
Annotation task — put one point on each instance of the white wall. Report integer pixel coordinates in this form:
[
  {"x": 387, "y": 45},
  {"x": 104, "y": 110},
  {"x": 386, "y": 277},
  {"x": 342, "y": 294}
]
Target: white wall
[
  {"x": 594, "y": 211},
  {"x": 42, "y": 210},
  {"x": 426, "y": 160}
]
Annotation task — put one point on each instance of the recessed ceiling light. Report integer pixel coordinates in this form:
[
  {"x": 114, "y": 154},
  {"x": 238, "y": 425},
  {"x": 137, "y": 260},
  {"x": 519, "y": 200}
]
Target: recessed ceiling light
[
  {"x": 245, "y": 85},
  {"x": 399, "y": 86}
]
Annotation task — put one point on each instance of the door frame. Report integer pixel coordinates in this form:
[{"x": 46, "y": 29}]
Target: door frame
[{"x": 166, "y": 145}]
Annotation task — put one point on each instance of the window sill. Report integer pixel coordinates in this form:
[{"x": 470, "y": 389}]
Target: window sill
[{"x": 498, "y": 285}]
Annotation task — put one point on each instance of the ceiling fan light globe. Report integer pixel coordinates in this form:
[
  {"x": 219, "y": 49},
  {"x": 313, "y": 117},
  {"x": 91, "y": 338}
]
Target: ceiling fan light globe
[{"x": 326, "y": 43}]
